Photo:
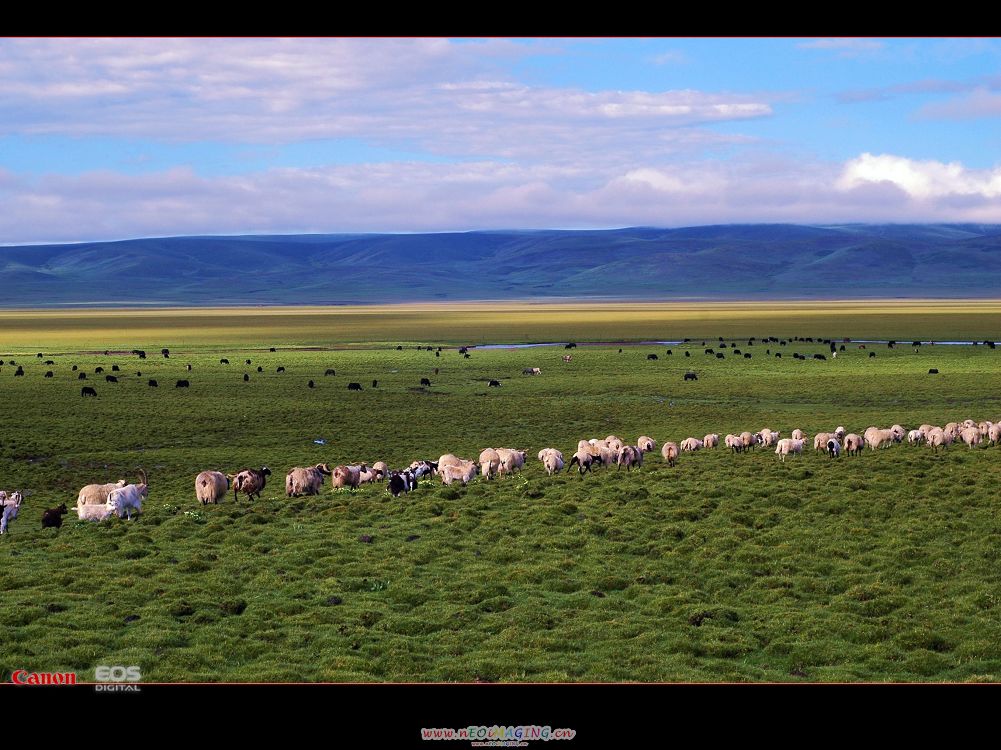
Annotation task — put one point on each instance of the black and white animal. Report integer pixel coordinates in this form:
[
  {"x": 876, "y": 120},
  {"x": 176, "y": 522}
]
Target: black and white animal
[
  {"x": 494, "y": 384},
  {"x": 422, "y": 469},
  {"x": 400, "y": 482},
  {"x": 833, "y": 448}
]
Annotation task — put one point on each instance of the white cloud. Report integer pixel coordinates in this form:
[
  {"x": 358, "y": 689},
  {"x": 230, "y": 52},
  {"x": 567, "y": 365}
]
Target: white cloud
[
  {"x": 921, "y": 180},
  {"x": 432, "y": 91}
]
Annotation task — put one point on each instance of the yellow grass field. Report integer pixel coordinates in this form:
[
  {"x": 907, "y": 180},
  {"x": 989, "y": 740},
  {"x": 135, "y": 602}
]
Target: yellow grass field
[{"x": 498, "y": 322}]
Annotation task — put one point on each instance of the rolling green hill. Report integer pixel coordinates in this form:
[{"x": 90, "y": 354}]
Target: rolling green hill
[{"x": 732, "y": 261}]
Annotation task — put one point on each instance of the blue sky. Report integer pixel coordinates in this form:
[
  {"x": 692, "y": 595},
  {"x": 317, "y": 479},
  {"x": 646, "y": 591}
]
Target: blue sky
[{"x": 115, "y": 138}]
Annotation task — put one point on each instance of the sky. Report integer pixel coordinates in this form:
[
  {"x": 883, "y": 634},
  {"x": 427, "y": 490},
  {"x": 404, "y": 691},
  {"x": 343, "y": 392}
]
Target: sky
[{"x": 104, "y": 139}]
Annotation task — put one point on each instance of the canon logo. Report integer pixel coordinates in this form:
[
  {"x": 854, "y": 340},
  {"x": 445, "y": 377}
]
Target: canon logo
[{"x": 24, "y": 677}]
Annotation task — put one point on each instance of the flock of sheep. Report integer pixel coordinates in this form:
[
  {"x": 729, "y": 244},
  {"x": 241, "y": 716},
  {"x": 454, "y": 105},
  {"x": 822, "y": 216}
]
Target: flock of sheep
[{"x": 97, "y": 502}]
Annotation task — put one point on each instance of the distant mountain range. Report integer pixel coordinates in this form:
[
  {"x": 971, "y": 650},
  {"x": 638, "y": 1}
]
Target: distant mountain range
[{"x": 759, "y": 261}]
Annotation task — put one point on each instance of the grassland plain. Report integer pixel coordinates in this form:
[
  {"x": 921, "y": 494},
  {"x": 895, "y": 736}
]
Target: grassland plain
[{"x": 727, "y": 567}]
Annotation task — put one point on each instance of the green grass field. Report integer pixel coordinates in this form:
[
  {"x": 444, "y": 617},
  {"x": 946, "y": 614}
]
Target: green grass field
[{"x": 727, "y": 567}]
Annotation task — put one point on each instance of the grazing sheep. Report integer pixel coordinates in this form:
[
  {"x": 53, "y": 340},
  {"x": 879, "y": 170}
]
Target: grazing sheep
[
  {"x": 426, "y": 382},
  {"x": 449, "y": 459},
  {"x": 768, "y": 438},
  {"x": 691, "y": 445},
  {"x": 182, "y": 384},
  {"x": 88, "y": 391},
  {"x": 789, "y": 445},
  {"x": 833, "y": 448},
  {"x": 97, "y": 494},
  {"x": 938, "y": 438},
  {"x": 670, "y": 453},
  {"x": 994, "y": 434},
  {"x": 211, "y": 487},
  {"x": 839, "y": 432},
  {"x": 605, "y": 456},
  {"x": 346, "y": 476},
  {"x": 367, "y": 475},
  {"x": 510, "y": 460},
  {"x": 877, "y": 438},
  {"x": 646, "y": 444},
  {"x": 584, "y": 445},
  {"x": 463, "y": 472},
  {"x": 95, "y": 512},
  {"x": 489, "y": 463},
  {"x": 854, "y": 444},
  {"x": 985, "y": 428},
  {"x": 820, "y": 440},
  {"x": 381, "y": 470},
  {"x": 552, "y": 459},
  {"x": 798, "y": 434},
  {"x": 583, "y": 459},
  {"x": 250, "y": 482},
  {"x": 52, "y": 518},
  {"x": 970, "y": 436},
  {"x": 898, "y": 433},
  {"x": 953, "y": 428},
  {"x": 354, "y": 386},
  {"x": 306, "y": 481},
  {"x": 734, "y": 443},
  {"x": 710, "y": 441},
  {"x": 629, "y": 456},
  {"x": 153, "y": 384},
  {"x": 615, "y": 443},
  {"x": 130, "y": 497},
  {"x": 747, "y": 440}
]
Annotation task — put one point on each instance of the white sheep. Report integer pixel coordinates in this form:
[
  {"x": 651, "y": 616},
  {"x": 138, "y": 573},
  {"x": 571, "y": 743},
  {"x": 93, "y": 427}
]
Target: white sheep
[
  {"x": 691, "y": 445},
  {"x": 820, "y": 440},
  {"x": 510, "y": 460},
  {"x": 463, "y": 472},
  {"x": 877, "y": 438},
  {"x": 646, "y": 444},
  {"x": 854, "y": 443},
  {"x": 798, "y": 434},
  {"x": 786, "y": 446},
  {"x": 552, "y": 459},
  {"x": 971, "y": 436},
  {"x": 211, "y": 486},
  {"x": 670, "y": 452},
  {"x": 915, "y": 437},
  {"x": 630, "y": 456},
  {"x": 306, "y": 480},
  {"x": 490, "y": 462},
  {"x": 995, "y": 434},
  {"x": 93, "y": 512},
  {"x": 938, "y": 438},
  {"x": 710, "y": 441},
  {"x": 734, "y": 443},
  {"x": 97, "y": 494}
]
